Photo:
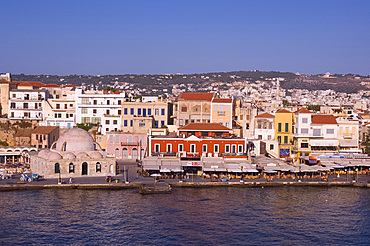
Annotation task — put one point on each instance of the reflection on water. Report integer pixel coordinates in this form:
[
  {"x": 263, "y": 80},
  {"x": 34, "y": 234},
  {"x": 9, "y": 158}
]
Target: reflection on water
[{"x": 222, "y": 216}]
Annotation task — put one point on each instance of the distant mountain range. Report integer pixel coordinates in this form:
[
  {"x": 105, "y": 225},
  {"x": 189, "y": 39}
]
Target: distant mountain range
[{"x": 342, "y": 83}]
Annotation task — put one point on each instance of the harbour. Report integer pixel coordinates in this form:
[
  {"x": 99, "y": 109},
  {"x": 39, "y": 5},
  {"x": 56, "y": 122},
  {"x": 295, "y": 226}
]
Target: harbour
[{"x": 289, "y": 215}]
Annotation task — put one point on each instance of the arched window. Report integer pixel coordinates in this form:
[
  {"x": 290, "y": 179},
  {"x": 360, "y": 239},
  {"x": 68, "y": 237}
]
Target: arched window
[
  {"x": 57, "y": 168},
  {"x": 117, "y": 153},
  {"x": 71, "y": 168},
  {"x": 98, "y": 167},
  {"x": 84, "y": 168}
]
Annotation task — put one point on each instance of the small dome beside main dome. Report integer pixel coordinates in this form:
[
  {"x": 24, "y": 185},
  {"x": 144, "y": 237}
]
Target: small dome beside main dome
[
  {"x": 96, "y": 155},
  {"x": 82, "y": 155},
  {"x": 75, "y": 139},
  {"x": 54, "y": 156},
  {"x": 69, "y": 156}
]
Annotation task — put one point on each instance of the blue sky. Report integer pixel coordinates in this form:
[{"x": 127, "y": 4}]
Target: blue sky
[{"x": 184, "y": 36}]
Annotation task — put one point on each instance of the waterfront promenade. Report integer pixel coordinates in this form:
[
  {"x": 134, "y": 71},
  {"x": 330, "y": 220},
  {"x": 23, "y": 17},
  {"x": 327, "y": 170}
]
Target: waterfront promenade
[{"x": 134, "y": 181}]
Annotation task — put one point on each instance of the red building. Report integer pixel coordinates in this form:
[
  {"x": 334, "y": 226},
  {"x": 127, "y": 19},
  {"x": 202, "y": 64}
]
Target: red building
[{"x": 199, "y": 140}]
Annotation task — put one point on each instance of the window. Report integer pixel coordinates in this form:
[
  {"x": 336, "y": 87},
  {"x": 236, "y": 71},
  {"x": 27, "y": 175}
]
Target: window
[
  {"x": 117, "y": 139},
  {"x": 130, "y": 139},
  {"x": 157, "y": 148},
  {"x": 108, "y": 111},
  {"x": 58, "y": 106},
  {"x": 141, "y": 123},
  {"x": 247, "y": 126},
  {"x": 285, "y": 139},
  {"x": 107, "y": 122},
  {"x": 85, "y": 100},
  {"x": 108, "y": 102},
  {"x": 131, "y": 111},
  {"x": 131, "y": 122},
  {"x": 279, "y": 139},
  {"x": 269, "y": 137},
  {"x": 227, "y": 148},
  {"x": 279, "y": 127},
  {"x": 71, "y": 168},
  {"x": 286, "y": 127},
  {"x": 156, "y": 111},
  {"x": 216, "y": 148},
  {"x": 304, "y": 130},
  {"x": 192, "y": 148},
  {"x": 181, "y": 147},
  {"x": 204, "y": 148},
  {"x": 181, "y": 122},
  {"x": 125, "y": 123},
  {"x": 215, "y": 107},
  {"x": 98, "y": 167},
  {"x": 163, "y": 111},
  {"x": 95, "y": 102},
  {"x": 259, "y": 137},
  {"x": 119, "y": 112},
  {"x": 83, "y": 110},
  {"x": 304, "y": 120},
  {"x": 162, "y": 123},
  {"x": 149, "y": 111},
  {"x": 233, "y": 148},
  {"x": 183, "y": 109},
  {"x": 156, "y": 124},
  {"x": 125, "y": 111},
  {"x": 169, "y": 148},
  {"x": 144, "y": 112},
  {"x": 304, "y": 145},
  {"x": 272, "y": 147},
  {"x": 317, "y": 132},
  {"x": 94, "y": 111},
  {"x": 240, "y": 148},
  {"x": 259, "y": 125},
  {"x": 227, "y": 108},
  {"x": 56, "y": 168},
  {"x": 111, "y": 138},
  {"x": 116, "y": 152},
  {"x": 139, "y": 111},
  {"x": 329, "y": 131},
  {"x": 115, "y": 122}
]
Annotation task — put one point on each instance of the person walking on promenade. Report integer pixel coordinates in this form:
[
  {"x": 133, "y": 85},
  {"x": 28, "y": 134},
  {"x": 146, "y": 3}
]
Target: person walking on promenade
[{"x": 70, "y": 180}]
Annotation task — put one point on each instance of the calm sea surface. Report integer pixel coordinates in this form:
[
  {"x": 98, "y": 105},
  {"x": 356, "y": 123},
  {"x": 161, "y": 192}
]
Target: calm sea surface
[{"x": 212, "y": 216}]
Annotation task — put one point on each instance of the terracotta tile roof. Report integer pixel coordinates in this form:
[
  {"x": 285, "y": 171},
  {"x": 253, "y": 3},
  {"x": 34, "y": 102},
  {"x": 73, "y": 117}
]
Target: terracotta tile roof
[
  {"x": 265, "y": 115},
  {"x": 283, "y": 111},
  {"x": 204, "y": 127},
  {"x": 51, "y": 85},
  {"x": 323, "y": 119},
  {"x": 222, "y": 100},
  {"x": 197, "y": 96},
  {"x": 64, "y": 86},
  {"x": 303, "y": 111},
  {"x": 23, "y": 133},
  {"x": 44, "y": 129},
  {"x": 29, "y": 83}
]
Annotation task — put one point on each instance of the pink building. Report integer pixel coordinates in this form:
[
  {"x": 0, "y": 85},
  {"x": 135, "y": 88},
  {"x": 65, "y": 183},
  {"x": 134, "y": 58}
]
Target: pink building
[{"x": 126, "y": 145}]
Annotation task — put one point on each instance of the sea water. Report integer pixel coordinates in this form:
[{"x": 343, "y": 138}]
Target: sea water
[{"x": 188, "y": 216}]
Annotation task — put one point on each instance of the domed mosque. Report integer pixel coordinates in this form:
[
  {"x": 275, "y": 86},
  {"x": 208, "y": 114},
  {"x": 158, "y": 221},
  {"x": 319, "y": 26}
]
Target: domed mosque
[{"x": 74, "y": 154}]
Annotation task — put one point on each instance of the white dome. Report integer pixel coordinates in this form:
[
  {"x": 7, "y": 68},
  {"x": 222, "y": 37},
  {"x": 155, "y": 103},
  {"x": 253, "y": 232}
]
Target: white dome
[
  {"x": 69, "y": 156},
  {"x": 54, "y": 156},
  {"x": 96, "y": 155},
  {"x": 44, "y": 153},
  {"x": 75, "y": 139},
  {"x": 81, "y": 155}
]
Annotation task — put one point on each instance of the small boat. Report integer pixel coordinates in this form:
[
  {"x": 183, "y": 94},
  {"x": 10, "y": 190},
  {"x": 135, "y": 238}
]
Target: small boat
[{"x": 155, "y": 188}]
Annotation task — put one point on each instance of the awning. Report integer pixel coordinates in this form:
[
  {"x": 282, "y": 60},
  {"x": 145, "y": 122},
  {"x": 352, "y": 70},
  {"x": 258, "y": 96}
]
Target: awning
[
  {"x": 324, "y": 142},
  {"x": 151, "y": 167},
  {"x": 165, "y": 170}
]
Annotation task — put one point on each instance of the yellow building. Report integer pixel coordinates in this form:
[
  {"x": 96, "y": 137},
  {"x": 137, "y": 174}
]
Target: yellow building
[
  {"x": 222, "y": 111},
  {"x": 284, "y": 121}
]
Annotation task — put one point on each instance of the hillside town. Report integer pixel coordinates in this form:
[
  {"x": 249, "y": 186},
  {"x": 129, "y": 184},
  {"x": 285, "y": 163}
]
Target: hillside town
[{"x": 234, "y": 129}]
